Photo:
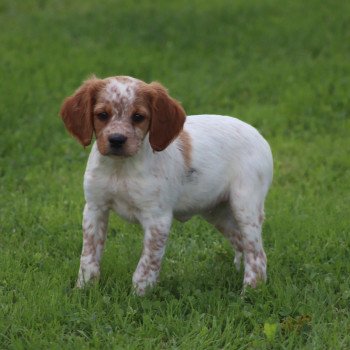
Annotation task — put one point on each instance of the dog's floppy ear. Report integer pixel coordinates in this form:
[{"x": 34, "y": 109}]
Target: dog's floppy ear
[
  {"x": 167, "y": 118},
  {"x": 77, "y": 110}
]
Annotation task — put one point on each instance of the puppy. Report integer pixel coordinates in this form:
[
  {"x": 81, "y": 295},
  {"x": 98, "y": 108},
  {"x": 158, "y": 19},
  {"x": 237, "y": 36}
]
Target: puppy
[{"x": 150, "y": 163}]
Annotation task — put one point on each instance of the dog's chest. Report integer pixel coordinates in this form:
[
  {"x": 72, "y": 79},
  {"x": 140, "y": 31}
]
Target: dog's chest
[
  {"x": 112, "y": 192},
  {"x": 131, "y": 195},
  {"x": 124, "y": 197}
]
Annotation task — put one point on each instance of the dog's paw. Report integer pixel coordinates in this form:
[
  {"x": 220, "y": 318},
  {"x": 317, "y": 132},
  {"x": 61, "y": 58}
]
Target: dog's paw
[
  {"x": 87, "y": 275},
  {"x": 142, "y": 283}
]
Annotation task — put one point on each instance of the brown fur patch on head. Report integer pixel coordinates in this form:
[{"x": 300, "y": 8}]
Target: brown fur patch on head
[
  {"x": 185, "y": 146},
  {"x": 77, "y": 110},
  {"x": 122, "y": 98},
  {"x": 101, "y": 106},
  {"x": 167, "y": 117}
]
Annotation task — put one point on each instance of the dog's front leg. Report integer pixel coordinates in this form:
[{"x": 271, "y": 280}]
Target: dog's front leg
[
  {"x": 94, "y": 236},
  {"x": 156, "y": 233}
]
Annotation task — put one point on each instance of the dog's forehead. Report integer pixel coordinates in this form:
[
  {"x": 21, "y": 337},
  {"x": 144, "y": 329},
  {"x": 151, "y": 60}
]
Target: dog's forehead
[{"x": 120, "y": 89}]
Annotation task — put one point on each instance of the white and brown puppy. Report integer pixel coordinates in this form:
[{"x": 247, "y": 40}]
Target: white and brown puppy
[{"x": 151, "y": 164}]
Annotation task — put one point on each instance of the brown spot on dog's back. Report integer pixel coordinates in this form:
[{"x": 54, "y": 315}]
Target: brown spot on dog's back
[{"x": 185, "y": 146}]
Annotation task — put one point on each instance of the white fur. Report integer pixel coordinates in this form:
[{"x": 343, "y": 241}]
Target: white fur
[{"x": 229, "y": 177}]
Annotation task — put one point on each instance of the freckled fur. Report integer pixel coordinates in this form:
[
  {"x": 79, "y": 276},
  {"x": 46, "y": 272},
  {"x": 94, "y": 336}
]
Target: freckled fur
[{"x": 170, "y": 166}]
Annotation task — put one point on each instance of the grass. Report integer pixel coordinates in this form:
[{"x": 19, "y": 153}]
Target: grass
[{"x": 283, "y": 67}]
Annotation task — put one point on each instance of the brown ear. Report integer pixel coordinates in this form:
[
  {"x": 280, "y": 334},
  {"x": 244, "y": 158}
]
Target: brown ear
[
  {"x": 77, "y": 110},
  {"x": 167, "y": 118}
]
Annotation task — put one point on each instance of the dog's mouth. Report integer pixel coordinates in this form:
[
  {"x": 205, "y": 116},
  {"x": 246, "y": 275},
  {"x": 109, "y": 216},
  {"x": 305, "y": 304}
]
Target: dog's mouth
[{"x": 119, "y": 153}]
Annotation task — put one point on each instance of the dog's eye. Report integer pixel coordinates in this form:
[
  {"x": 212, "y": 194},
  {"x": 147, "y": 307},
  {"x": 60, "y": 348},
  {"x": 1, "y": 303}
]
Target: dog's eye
[
  {"x": 137, "y": 118},
  {"x": 103, "y": 116}
]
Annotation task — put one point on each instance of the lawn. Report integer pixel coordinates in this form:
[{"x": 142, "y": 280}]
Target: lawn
[{"x": 284, "y": 67}]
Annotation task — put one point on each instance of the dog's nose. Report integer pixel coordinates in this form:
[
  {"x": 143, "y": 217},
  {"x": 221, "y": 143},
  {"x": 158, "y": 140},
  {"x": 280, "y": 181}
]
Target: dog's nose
[{"x": 117, "y": 140}]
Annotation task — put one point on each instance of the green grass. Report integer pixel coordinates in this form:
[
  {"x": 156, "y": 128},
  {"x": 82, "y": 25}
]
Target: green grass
[{"x": 283, "y": 66}]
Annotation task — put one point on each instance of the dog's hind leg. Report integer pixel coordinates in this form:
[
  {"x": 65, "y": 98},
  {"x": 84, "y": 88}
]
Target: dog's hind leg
[
  {"x": 248, "y": 212},
  {"x": 221, "y": 218}
]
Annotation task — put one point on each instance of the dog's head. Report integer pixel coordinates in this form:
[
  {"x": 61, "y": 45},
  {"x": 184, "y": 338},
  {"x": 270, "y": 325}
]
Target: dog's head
[{"x": 121, "y": 111}]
